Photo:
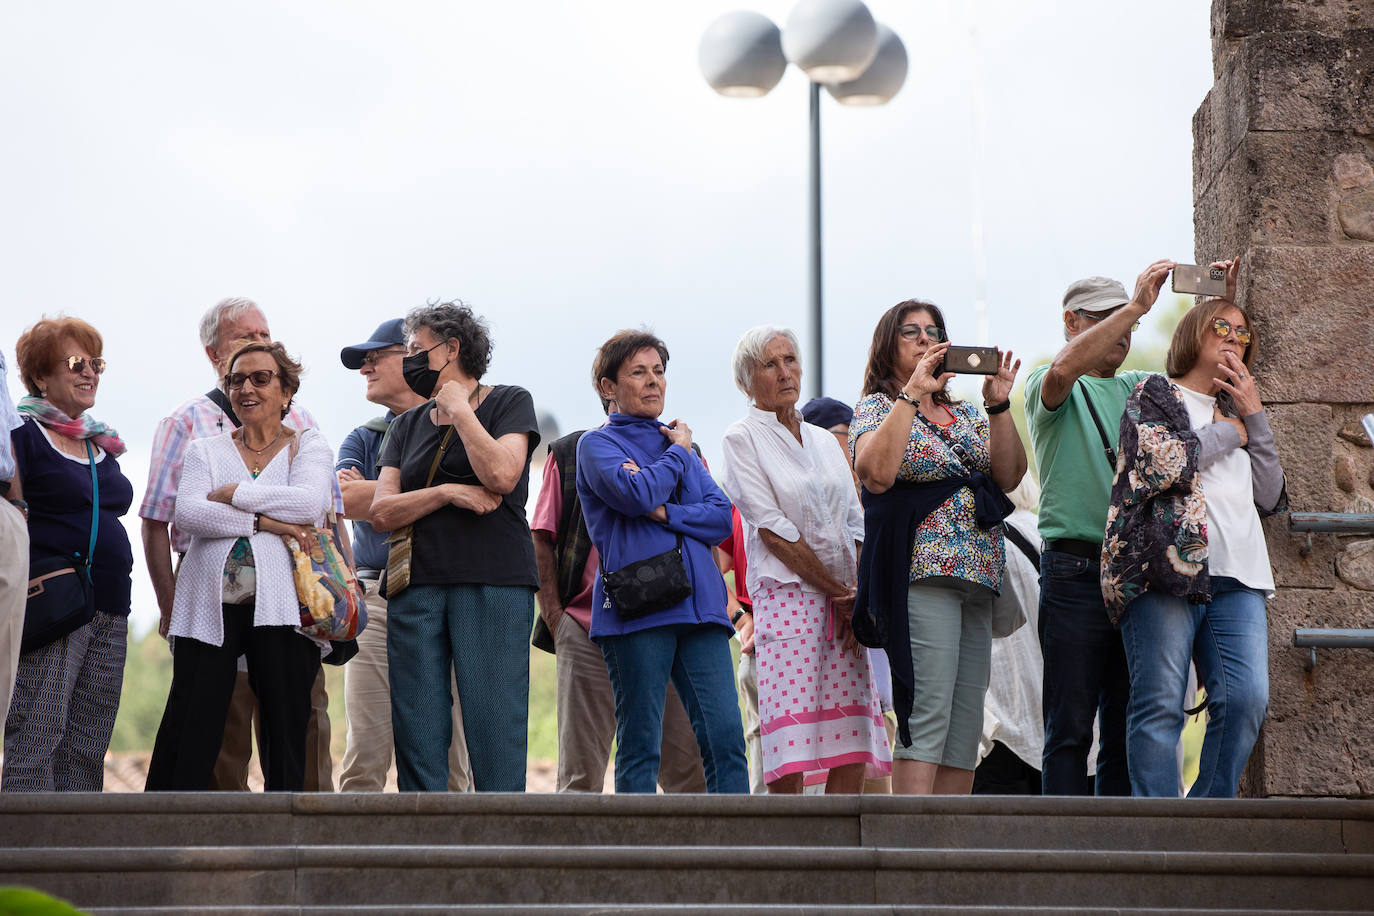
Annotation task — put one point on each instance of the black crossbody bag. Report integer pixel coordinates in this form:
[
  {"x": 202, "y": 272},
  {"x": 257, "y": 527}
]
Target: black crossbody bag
[
  {"x": 652, "y": 584},
  {"x": 61, "y": 595}
]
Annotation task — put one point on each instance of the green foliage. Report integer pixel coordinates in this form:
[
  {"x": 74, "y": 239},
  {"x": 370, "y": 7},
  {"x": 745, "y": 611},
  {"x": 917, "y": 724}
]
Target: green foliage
[
  {"x": 21, "y": 901},
  {"x": 147, "y": 679}
]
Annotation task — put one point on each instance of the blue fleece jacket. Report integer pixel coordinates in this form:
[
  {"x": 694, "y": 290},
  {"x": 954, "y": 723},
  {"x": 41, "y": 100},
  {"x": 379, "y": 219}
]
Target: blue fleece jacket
[{"x": 616, "y": 501}]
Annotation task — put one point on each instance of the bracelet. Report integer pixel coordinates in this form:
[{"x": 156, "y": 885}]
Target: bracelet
[
  {"x": 903, "y": 396},
  {"x": 257, "y": 522},
  {"x": 997, "y": 408}
]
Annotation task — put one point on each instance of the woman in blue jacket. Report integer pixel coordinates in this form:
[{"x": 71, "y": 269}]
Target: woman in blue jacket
[{"x": 643, "y": 492}]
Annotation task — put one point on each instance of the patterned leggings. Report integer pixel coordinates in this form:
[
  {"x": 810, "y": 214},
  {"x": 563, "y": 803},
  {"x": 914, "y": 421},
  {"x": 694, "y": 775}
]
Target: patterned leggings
[{"x": 63, "y": 712}]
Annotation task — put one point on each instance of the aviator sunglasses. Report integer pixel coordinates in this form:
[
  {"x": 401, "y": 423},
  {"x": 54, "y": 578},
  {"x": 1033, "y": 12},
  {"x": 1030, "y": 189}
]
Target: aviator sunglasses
[
  {"x": 1222, "y": 328},
  {"x": 78, "y": 364},
  {"x": 260, "y": 379}
]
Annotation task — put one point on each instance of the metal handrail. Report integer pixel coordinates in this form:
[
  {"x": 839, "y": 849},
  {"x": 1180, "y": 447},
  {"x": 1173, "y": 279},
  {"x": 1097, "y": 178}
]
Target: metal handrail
[
  {"x": 1314, "y": 638},
  {"x": 1328, "y": 523}
]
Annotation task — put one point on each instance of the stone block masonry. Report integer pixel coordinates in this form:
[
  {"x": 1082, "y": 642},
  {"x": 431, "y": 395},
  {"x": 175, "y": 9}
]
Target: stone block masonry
[{"x": 1283, "y": 177}]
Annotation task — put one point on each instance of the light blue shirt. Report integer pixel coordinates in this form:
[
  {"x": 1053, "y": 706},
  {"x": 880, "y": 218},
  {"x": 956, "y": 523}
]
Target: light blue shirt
[{"x": 9, "y": 421}]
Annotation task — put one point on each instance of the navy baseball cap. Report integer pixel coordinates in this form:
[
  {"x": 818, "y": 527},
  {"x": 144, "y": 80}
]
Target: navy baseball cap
[
  {"x": 388, "y": 334},
  {"x": 827, "y": 412}
]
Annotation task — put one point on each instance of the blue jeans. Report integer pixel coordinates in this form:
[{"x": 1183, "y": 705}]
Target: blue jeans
[
  {"x": 697, "y": 658},
  {"x": 1085, "y": 678},
  {"x": 1228, "y": 640},
  {"x": 481, "y": 634}
]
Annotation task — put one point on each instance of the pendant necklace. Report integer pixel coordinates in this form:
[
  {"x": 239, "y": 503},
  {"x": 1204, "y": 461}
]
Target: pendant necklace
[{"x": 256, "y": 469}]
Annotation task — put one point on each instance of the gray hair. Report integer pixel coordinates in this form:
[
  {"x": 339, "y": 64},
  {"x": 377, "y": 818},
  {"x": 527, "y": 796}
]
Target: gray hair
[
  {"x": 749, "y": 352},
  {"x": 456, "y": 320},
  {"x": 222, "y": 311}
]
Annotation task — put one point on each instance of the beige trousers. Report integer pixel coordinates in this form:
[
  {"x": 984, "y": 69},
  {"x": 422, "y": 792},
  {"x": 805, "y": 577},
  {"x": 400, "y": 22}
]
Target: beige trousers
[
  {"x": 14, "y": 582},
  {"x": 367, "y": 701},
  {"x": 747, "y": 680},
  {"x": 586, "y": 721}
]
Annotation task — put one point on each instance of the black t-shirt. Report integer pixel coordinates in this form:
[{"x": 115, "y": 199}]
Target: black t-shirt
[{"x": 455, "y": 546}]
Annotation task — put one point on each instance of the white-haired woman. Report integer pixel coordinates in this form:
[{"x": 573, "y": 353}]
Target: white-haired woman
[{"x": 818, "y": 705}]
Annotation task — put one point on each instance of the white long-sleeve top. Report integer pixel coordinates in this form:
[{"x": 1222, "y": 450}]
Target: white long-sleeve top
[
  {"x": 295, "y": 490},
  {"x": 795, "y": 490}
]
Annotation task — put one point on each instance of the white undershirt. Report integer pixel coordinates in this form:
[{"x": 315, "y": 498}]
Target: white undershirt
[{"x": 1235, "y": 540}]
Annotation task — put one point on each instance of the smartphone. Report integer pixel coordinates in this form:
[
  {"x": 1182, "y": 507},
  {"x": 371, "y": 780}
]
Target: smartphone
[
  {"x": 1199, "y": 281},
  {"x": 971, "y": 361}
]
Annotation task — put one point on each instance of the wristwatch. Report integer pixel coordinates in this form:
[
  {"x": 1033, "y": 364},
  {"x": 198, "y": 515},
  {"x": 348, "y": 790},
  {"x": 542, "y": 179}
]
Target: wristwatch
[
  {"x": 22, "y": 506},
  {"x": 735, "y": 618},
  {"x": 903, "y": 396}
]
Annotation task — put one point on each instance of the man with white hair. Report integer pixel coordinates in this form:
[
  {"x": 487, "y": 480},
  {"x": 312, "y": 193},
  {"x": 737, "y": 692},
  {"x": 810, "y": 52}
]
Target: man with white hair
[{"x": 228, "y": 323}]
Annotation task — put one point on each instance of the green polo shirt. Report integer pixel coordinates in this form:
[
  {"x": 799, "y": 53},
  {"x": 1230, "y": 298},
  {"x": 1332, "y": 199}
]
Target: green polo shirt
[{"x": 1075, "y": 478}]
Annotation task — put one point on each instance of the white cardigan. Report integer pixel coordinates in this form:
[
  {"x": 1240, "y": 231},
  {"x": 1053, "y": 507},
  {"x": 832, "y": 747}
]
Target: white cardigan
[{"x": 295, "y": 490}]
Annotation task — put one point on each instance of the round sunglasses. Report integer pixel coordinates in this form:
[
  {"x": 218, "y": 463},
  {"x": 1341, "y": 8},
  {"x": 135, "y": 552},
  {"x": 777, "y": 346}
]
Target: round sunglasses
[
  {"x": 260, "y": 379},
  {"x": 1222, "y": 328}
]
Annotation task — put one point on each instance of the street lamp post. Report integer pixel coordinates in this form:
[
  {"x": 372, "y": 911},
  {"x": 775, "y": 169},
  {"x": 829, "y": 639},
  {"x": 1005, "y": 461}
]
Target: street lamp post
[{"x": 836, "y": 43}]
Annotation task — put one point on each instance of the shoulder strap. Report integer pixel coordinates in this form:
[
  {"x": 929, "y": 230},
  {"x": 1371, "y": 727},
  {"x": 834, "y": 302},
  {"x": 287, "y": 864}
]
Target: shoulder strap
[
  {"x": 438, "y": 454},
  {"x": 1022, "y": 543},
  {"x": 1097, "y": 421},
  {"x": 222, "y": 401},
  {"x": 95, "y": 508}
]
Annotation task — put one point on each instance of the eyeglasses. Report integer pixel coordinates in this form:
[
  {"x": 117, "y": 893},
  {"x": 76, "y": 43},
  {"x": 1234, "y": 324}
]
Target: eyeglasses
[
  {"x": 415, "y": 350},
  {"x": 260, "y": 379},
  {"x": 1135, "y": 325},
  {"x": 78, "y": 364},
  {"x": 1222, "y": 328},
  {"x": 373, "y": 357},
  {"x": 914, "y": 331}
]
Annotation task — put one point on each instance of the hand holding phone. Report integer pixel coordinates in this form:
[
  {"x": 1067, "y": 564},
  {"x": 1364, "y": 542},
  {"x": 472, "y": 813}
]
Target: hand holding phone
[
  {"x": 971, "y": 361},
  {"x": 1199, "y": 281}
]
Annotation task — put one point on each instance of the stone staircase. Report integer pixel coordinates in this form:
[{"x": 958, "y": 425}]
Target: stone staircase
[{"x": 499, "y": 854}]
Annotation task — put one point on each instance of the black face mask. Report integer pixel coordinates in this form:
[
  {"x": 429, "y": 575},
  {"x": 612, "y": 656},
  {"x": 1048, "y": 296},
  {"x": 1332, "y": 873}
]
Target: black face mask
[{"x": 421, "y": 379}]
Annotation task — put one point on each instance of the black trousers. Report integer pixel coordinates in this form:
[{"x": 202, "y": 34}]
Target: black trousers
[
  {"x": 282, "y": 666},
  {"x": 1003, "y": 773}
]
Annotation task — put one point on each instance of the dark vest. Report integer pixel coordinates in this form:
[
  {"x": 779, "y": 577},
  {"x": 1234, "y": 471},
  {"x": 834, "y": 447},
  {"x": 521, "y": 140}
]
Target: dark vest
[{"x": 573, "y": 545}]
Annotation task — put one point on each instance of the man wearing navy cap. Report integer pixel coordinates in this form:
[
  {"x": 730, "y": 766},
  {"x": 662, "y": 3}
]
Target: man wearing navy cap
[{"x": 367, "y": 692}]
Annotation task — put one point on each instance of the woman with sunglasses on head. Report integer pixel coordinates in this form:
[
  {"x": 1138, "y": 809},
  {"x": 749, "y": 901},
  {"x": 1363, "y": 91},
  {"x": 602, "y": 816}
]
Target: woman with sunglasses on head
[
  {"x": 66, "y": 693},
  {"x": 241, "y": 494},
  {"x": 933, "y": 471},
  {"x": 457, "y": 468},
  {"x": 1185, "y": 568}
]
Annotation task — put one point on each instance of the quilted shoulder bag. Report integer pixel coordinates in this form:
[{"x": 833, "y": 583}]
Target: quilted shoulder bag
[
  {"x": 61, "y": 595},
  {"x": 399, "y": 542},
  {"x": 652, "y": 584}
]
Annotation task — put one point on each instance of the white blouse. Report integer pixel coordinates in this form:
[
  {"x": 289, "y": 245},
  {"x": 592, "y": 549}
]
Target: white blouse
[
  {"x": 1235, "y": 540},
  {"x": 295, "y": 490},
  {"x": 795, "y": 490}
]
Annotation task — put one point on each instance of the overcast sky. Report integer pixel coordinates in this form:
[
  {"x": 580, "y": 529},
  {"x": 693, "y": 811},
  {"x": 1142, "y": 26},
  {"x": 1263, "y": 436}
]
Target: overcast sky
[{"x": 564, "y": 168}]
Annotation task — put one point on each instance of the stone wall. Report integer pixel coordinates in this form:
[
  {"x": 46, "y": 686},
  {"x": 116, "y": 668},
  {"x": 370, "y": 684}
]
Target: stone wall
[{"x": 1283, "y": 176}]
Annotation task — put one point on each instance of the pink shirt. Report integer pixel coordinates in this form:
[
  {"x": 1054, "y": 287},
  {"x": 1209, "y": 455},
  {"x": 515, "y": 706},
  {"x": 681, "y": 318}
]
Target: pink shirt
[{"x": 548, "y": 509}]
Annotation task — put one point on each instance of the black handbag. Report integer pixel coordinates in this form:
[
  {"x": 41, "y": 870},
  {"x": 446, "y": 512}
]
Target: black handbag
[
  {"x": 61, "y": 596},
  {"x": 651, "y": 584}
]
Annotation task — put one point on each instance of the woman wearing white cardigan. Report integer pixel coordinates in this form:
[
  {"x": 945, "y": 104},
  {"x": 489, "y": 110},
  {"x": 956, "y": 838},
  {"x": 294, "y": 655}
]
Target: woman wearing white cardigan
[{"x": 235, "y": 595}]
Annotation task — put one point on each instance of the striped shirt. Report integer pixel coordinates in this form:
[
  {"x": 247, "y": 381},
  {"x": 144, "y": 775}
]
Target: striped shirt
[{"x": 195, "y": 419}]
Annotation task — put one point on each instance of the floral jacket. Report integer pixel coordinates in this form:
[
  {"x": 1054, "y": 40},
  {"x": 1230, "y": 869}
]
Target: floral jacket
[{"x": 1156, "y": 537}]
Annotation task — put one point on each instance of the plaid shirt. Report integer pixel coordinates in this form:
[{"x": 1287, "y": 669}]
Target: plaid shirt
[
  {"x": 195, "y": 419},
  {"x": 9, "y": 421}
]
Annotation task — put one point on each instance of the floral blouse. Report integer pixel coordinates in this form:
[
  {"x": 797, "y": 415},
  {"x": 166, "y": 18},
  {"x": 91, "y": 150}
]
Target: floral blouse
[
  {"x": 949, "y": 542},
  {"x": 1156, "y": 537}
]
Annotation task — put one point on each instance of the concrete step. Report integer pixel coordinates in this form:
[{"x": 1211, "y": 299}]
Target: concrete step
[
  {"x": 1329, "y": 826},
  {"x": 517, "y": 876},
  {"x": 688, "y": 909}
]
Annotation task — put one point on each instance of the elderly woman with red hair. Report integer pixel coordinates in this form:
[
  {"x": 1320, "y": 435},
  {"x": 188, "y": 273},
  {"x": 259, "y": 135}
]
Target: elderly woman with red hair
[{"x": 66, "y": 692}]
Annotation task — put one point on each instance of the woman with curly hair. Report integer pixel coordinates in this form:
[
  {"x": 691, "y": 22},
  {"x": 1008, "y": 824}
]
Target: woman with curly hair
[
  {"x": 1185, "y": 569},
  {"x": 457, "y": 469}
]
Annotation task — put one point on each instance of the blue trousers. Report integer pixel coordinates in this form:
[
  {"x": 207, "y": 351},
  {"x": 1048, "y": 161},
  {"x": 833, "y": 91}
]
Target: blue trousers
[
  {"x": 1228, "y": 639},
  {"x": 697, "y": 658},
  {"x": 1085, "y": 678},
  {"x": 481, "y": 634}
]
